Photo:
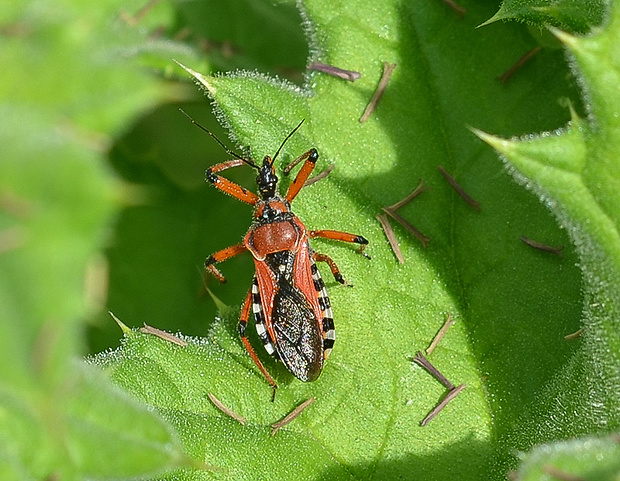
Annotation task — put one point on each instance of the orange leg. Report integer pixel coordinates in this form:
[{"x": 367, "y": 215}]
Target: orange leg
[
  {"x": 228, "y": 186},
  {"x": 332, "y": 265},
  {"x": 310, "y": 159},
  {"x": 220, "y": 256},
  {"x": 341, "y": 236},
  {"x": 243, "y": 322}
]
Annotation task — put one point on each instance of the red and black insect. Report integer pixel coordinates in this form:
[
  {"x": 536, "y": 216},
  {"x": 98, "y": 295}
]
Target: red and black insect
[{"x": 288, "y": 297}]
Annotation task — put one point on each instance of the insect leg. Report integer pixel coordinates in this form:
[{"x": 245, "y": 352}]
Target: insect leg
[
  {"x": 228, "y": 186},
  {"x": 220, "y": 256},
  {"x": 332, "y": 266},
  {"x": 310, "y": 159},
  {"x": 243, "y": 322},
  {"x": 340, "y": 236}
]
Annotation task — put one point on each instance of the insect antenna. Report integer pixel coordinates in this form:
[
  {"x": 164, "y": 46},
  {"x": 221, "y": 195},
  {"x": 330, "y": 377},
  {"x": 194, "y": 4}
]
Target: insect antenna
[
  {"x": 285, "y": 140},
  {"x": 214, "y": 137}
]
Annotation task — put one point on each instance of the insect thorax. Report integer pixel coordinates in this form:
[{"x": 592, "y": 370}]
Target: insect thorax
[{"x": 275, "y": 229}]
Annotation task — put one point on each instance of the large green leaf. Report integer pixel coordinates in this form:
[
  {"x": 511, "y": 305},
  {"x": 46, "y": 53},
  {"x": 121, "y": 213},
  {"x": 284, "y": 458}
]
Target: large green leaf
[
  {"x": 576, "y": 172},
  {"x": 513, "y": 305}
]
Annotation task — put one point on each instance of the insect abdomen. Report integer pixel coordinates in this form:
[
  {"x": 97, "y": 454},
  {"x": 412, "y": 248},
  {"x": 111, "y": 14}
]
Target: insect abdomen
[{"x": 327, "y": 323}]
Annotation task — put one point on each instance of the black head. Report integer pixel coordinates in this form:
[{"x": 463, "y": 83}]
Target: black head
[{"x": 267, "y": 180}]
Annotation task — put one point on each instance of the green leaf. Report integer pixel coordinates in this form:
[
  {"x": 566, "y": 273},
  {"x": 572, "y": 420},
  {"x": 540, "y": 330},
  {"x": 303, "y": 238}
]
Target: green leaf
[
  {"x": 112, "y": 435},
  {"x": 585, "y": 458},
  {"x": 572, "y": 15},
  {"x": 576, "y": 173},
  {"x": 513, "y": 304}
]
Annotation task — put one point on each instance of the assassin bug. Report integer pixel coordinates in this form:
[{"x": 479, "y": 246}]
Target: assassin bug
[{"x": 291, "y": 307}]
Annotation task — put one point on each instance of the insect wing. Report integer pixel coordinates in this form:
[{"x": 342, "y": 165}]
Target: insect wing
[{"x": 291, "y": 311}]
